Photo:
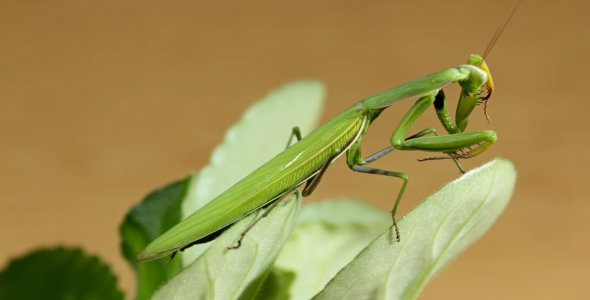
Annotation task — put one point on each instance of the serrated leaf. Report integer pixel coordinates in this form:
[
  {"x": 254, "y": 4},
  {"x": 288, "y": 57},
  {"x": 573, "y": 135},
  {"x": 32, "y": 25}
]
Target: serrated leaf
[
  {"x": 261, "y": 134},
  {"x": 328, "y": 235},
  {"x": 236, "y": 274},
  {"x": 59, "y": 273},
  {"x": 432, "y": 234},
  {"x": 158, "y": 212}
]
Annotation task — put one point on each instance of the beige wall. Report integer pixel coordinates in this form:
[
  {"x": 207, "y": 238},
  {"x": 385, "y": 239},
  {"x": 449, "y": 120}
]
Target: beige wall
[{"x": 101, "y": 102}]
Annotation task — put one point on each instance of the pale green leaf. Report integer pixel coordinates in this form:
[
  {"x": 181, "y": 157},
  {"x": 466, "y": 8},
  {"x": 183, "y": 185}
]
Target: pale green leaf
[
  {"x": 432, "y": 235},
  {"x": 236, "y": 274},
  {"x": 261, "y": 134},
  {"x": 328, "y": 235}
]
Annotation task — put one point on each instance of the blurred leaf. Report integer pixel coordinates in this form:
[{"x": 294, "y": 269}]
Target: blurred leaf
[
  {"x": 236, "y": 274},
  {"x": 157, "y": 213},
  {"x": 261, "y": 134},
  {"x": 276, "y": 285},
  {"x": 328, "y": 235},
  {"x": 60, "y": 274},
  {"x": 432, "y": 234}
]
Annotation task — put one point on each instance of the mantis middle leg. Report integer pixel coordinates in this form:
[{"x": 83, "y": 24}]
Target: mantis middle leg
[{"x": 356, "y": 163}]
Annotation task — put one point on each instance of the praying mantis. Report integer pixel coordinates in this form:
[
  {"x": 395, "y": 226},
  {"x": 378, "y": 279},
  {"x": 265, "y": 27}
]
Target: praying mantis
[{"x": 308, "y": 159}]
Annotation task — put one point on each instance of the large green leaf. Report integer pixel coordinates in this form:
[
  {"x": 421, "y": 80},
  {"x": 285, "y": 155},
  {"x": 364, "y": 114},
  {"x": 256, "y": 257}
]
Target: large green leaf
[
  {"x": 328, "y": 235},
  {"x": 58, "y": 274},
  {"x": 261, "y": 134},
  {"x": 432, "y": 234},
  {"x": 157, "y": 213},
  {"x": 237, "y": 274}
]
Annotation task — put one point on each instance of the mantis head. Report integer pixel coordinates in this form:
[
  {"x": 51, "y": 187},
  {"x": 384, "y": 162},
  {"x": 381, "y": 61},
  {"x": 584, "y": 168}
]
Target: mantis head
[
  {"x": 479, "y": 62},
  {"x": 479, "y": 77},
  {"x": 469, "y": 86}
]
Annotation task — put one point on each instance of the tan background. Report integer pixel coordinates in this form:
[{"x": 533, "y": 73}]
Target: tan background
[{"x": 103, "y": 101}]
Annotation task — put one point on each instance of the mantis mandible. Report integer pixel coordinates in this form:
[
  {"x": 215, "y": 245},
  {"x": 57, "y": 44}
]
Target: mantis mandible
[{"x": 307, "y": 160}]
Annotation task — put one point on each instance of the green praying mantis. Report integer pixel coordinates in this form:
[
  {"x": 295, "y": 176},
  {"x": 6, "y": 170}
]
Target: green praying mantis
[{"x": 307, "y": 160}]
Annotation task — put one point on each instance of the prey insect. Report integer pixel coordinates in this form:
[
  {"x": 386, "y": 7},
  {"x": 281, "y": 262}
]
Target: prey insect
[{"x": 307, "y": 160}]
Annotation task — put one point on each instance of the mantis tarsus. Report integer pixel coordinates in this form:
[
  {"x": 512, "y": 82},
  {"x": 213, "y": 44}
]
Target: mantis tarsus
[{"x": 307, "y": 160}]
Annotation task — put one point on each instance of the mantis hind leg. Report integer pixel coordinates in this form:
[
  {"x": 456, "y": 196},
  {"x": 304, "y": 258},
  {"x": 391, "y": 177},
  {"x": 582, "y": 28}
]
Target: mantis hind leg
[
  {"x": 269, "y": 207},
  {"x": 295, "y": 132},
  {"x": 312, "y": 182},
  {"x": 356, "y": 163}
]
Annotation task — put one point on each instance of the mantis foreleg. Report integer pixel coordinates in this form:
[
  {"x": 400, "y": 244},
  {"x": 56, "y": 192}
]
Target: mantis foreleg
[
  {"x": 442, "y": 111},
  {"x": 455, "y": 144},
  {"x": 430, "y": 130}
]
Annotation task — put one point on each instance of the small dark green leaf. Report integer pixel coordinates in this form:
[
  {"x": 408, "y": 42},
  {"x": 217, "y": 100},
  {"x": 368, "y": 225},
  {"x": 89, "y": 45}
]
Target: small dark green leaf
[
  {"x": 157, "y": 213},
  {"x": 59, "y": 273}
]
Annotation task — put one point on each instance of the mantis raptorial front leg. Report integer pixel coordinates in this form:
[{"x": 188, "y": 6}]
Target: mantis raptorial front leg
[
  {"x": 433, "y": 131},
  {"x": 453, "y": 143},
  {"x": 442, "y": 111}
]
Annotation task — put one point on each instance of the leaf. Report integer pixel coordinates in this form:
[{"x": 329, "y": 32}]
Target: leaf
[
  {"x": 158, "y": 212},
  {"x": 276, "y": 285},
  {"x": 261, "y": 134},
  {"x": 328, "y": 235},
  {"x": 432, "y": 234},
  {"x": 236, "y": 274},
  {"x": 58, "y": 273}
]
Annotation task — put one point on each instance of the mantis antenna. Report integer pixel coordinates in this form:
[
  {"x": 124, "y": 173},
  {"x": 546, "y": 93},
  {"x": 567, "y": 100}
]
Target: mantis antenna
[
  {"x": 498, "y": 32},
  {"x": 491, "y": 44}
]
